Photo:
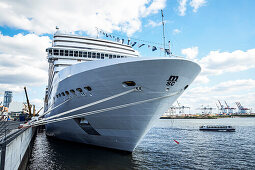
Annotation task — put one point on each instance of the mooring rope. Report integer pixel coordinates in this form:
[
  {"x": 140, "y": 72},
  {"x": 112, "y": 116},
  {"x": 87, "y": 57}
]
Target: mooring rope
[
  {"x": 43, "y": 122},
  {"x": 88, "y": 105}
]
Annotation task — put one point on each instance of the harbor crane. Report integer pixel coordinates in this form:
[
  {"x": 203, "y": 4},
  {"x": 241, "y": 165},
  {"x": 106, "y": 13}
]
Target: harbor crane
[
  {"x": 28, "y": 104},
  {"x": 241, "y": 109},
  {"x": 206, "y": 109},
  {"x": 229, "y": 109},
  {"x": 181, "y": 108}
]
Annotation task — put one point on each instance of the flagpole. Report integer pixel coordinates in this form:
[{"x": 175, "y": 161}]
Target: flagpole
[{"x": 163, "y": 32}]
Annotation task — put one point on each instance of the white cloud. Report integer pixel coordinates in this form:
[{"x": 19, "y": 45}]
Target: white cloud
[
  {"x": 153, "y": 23},
  {"x": 176, "y": 31},
  {"x": 182, "y": 7},
  {"x": 216, "y": 62},
  {"x": 42, "y": 16},
  {"x": 23, "y": 61},
  {"x": 197, "y": 4},
  {"x": 191, "y": 53}
]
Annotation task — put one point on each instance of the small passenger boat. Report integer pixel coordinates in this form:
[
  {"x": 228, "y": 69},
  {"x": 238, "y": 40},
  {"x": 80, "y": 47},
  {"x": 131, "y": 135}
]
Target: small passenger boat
[{"x": 217, "y": 128}]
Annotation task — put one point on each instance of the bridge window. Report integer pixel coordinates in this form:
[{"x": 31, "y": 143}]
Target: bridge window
[
  {"x": 50, "y": 51},
  {"x": 118, "y": 56},
  {"x": 106, "y": 55},
  {"x": 93, "y": 55},
  {"x": 85, "y": 54},
  {"x": 110, "y": 56},
  {"x": 114, "y": 56},
  {"x": 80, "y": 54},
  {"x": 98, "y": 55},
  {"x": 66, "y": 52},
  {"x": 71, "y": 53},
  {"x": 56, "y": 52},
  {"x": 61, "y": 52},
  {"x": 75, "y": 53},
  {"x": 89, "y": 54}
]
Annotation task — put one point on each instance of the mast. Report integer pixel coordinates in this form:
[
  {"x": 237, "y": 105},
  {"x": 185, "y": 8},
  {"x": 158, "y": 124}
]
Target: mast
[{"x": 163, "y": 24}]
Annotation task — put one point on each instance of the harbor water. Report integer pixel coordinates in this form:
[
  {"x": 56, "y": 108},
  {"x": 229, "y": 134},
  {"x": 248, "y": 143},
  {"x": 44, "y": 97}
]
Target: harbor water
[{"x": 158, "y": 150}]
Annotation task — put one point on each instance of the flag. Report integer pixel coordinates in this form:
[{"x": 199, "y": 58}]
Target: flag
[
  {"x": 176, "y": 141},
  {"x": 133, "y": 44},
  {"x": 167, "y": 51},
  {"x": 154, "y": 48},
  {"x": 141, "y": 45}
]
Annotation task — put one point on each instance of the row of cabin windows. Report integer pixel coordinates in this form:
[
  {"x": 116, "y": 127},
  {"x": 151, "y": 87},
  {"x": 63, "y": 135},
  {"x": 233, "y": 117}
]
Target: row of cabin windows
[
  {"x": 67, "y": 93},
  {"x": 82, "y": 54}
]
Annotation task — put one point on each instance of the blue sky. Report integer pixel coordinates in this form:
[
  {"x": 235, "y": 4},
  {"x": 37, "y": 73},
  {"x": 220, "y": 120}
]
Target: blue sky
[{"x": 218, "y": 34}]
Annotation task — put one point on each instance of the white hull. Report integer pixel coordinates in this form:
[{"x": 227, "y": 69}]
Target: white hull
[{"x": 123, "y": 128}]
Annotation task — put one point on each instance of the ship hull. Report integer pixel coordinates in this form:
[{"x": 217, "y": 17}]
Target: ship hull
[{"x": 124, "y": 127}]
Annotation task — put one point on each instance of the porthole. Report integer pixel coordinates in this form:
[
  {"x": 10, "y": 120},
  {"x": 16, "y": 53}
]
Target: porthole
[
  {"x": 79, "y": 90},
  {"x": 63, "y": 94},
  {"x": 88, "y": 88},
  {"x": 186, "y": 87},
  {"x": 67, "y": 92},
  {"x": 72, "y": 91},
  {"x": 128, "y": 83}
]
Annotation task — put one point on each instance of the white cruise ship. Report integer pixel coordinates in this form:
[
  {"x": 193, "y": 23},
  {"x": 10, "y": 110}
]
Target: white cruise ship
[{"x": 109, "y": 94}]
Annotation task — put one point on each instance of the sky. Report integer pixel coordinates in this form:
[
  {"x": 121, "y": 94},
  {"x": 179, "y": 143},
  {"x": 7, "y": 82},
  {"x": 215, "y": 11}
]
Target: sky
[{"x": 217, "y": 34}]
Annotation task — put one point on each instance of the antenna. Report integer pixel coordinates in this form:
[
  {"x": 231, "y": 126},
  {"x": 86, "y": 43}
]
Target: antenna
[{"x": 163, "y": 24}]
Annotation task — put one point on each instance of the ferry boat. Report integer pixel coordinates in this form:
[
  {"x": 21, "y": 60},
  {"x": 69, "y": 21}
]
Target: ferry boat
[
  {"x": 217, "y": 128},
  {"x": 111, "y": 93}
]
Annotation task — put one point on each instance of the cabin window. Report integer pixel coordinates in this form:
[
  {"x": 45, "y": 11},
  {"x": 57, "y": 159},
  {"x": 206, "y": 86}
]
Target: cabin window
[
  {"x": 80, "y": 54},
  {"x": 89, "y": 54},
  {"x": 66, "y": 52},
  {"x": 72, "y": 91},
  {"x": 114, "y": 56},
  {"x": 88, "y": 88},
  {"x": 63, "y": 94},
  {"x": 75, "y": 53},
  {"x": 71, "y": 53},
  {"x": 93, "y": 55},
  {"x": 110, "y": 56},
  {"x": 61, "y": 52},
  {"x": 106, "y": 55},
  {"x": 56, "y": 52},
  {"x": 50, "y": 51},
  {"x": 79, "y": 90},
  {"x": 67, "y": 93},
  {"x": 57, "y": 96},
  {"x": 118, "y": 56},
  {"x": 84, "y": 54},
  {"x": 102, "y": 57}
]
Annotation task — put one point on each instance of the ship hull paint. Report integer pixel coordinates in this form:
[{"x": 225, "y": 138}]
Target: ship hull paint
[{"x": 123, "y": 128}]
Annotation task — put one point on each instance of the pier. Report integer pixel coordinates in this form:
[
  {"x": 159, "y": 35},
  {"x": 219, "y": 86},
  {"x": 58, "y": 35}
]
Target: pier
[{"x": 15, "y": 145}]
